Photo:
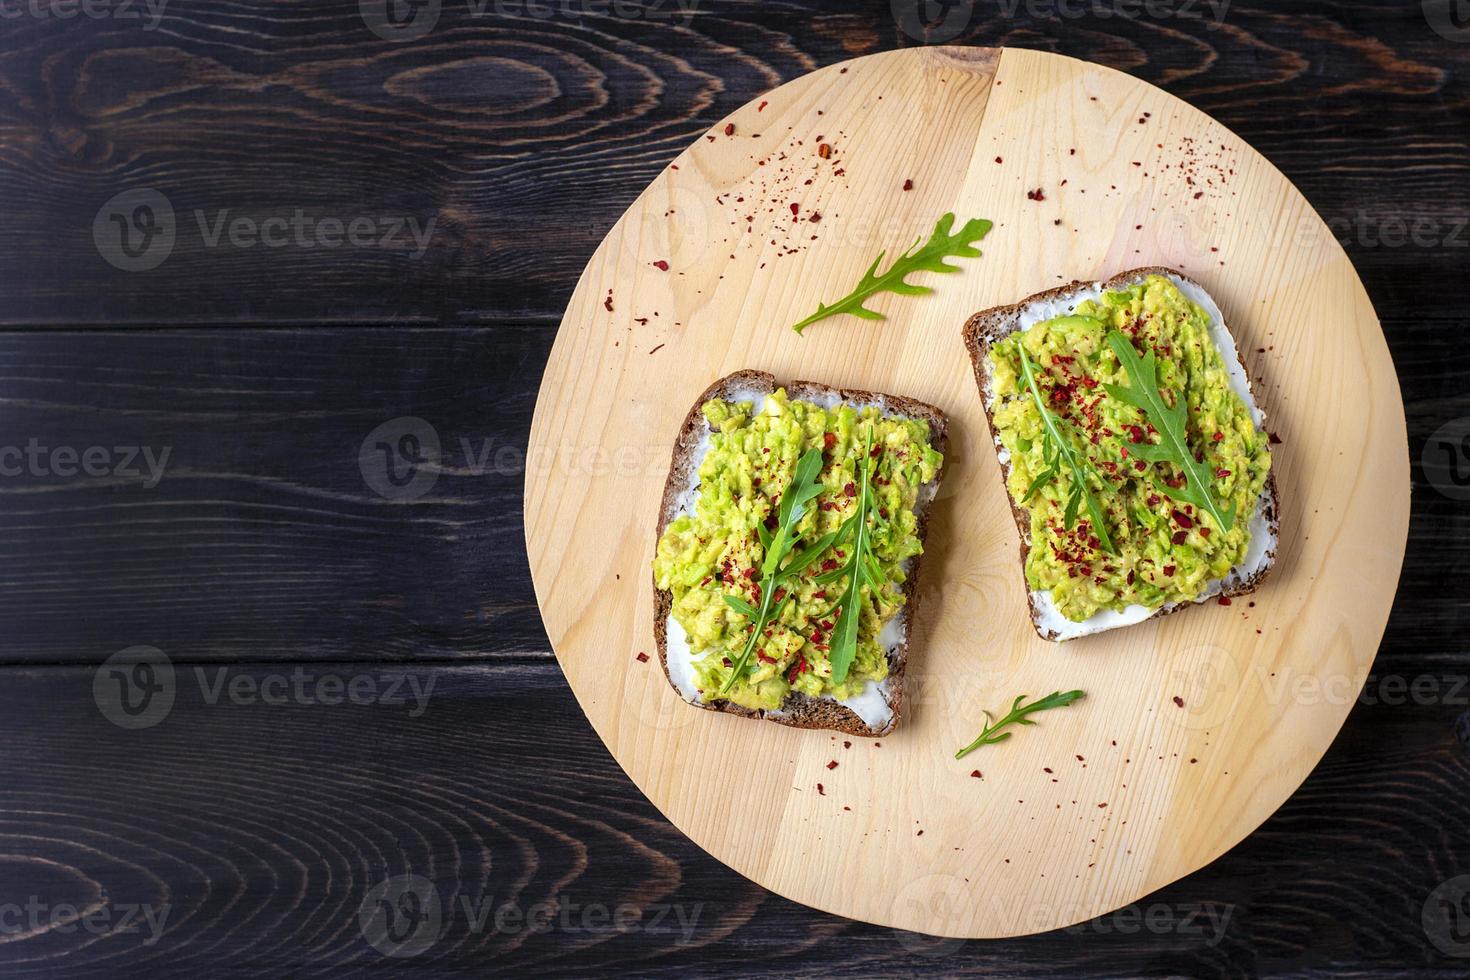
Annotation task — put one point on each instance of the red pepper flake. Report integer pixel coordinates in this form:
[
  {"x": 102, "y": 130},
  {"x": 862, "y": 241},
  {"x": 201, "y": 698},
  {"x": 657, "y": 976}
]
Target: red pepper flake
[
  {"x": 1180, "y": 537},
  {"x": 729, "y": 129},
  {"x": 832, "y": 764},
  {"x": 607, "y": 303},
  {"x": 828, "y": 441},
  {"x": 795, "y": 208},
  {"x": 829, "y": 564},
  {"x": 661, "y": 266},
  {"x": 919, "y": 834},
  {"x": 824, "y": 151},
  {"x": 1036, "y": 195},
  {"x": 1204, "y": 531},
  {"x": 815, "y": 218},
  {"x": 850, "y": 489},
  {"x": 1178, "y": 701},
  {"x": 762, "y": 107},
  {"x": 1169, "y": 570},
  {"x": 1218, "y": 436},
  {"x": 999, "y": 160},
  {"x": 1273, "y": 438},
  {"x": 656, "y": 349},
  {"x": 1224, "y": 600},
  {"x": 1101, "y": 806},
  {"x": 750, "y": 574},
  {"x": 1183, "y": 519},
  {"x": 1222, "y": 474},
  {"x": 846, "y": 744},
  {"x": 975, "y": 774},
  {"x": 820, "y": 790},
  {"x": 908, "y": 185},
  {"x": 642, "y": 657}
]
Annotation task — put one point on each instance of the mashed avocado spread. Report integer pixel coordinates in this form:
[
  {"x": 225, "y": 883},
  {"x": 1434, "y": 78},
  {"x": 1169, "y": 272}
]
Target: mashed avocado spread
[
  {"x": 1164, "y": 551},
  {"x": 716, "y": 549}
]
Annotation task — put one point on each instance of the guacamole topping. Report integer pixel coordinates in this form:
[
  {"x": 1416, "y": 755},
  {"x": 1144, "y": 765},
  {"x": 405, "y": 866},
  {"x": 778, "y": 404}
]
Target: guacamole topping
[
  {"x": 1163, "y": 550},
  {"x": 713, "y": 548}
]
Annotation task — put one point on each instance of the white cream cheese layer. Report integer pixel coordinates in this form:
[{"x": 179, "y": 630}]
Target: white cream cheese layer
[
  {"x": 1262, "y": 540},
  {"x": 873, "y": 704}
]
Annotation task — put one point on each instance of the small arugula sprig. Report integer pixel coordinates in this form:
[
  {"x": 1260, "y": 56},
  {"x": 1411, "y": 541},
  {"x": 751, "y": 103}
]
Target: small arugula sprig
[
  {"x": 861, "y": 568},
  {"x": 928, "y": 258},
  {"x": 1017, "y": 716},
  {"x": 779, "y": 546},
  {"x": 1060, "y": 452},
  {"x": 1172, "y": 447}
]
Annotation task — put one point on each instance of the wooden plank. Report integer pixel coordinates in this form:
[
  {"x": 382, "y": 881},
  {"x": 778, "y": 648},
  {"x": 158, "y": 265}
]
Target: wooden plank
[
  {"x": 524, "y": 137},
  {"x": 255, "y": 833},
  {"x": 262, "y": 541},
  {"x": 262, "y": 537}
]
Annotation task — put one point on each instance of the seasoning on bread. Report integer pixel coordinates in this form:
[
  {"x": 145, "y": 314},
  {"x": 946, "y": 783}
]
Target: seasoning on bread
[
  {"x": 1186, "y": 496},
  {"x": 735, "y": 458}
]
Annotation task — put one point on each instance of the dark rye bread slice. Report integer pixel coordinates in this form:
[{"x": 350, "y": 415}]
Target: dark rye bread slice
[
  {"x": 989, "y": 326},
  {"x": 799, "y": 710}
]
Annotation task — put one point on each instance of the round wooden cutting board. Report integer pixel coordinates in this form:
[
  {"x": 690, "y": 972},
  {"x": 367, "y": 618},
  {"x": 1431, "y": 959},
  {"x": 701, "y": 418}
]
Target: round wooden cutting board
[{"x": 1195, "y": 727}]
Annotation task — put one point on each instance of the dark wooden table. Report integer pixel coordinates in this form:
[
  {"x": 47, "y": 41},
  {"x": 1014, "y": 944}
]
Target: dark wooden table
[{"x": 361, "y": 691}]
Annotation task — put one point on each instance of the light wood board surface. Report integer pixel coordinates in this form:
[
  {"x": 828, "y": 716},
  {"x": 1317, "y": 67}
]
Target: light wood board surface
[{"x": 1141, "y": 790}]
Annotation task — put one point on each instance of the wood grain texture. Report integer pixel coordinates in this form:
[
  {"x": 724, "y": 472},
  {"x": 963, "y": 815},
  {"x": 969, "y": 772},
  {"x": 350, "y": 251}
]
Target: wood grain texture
[
  {"x": 263, "y": 107},
  {"x": 261, "y": 830},
  {"x": 525, "y": 137},
  {"x": 1192, "y": 737},
  {"x": 270, "y": 511},
  {"x": 262, "y": 515}
]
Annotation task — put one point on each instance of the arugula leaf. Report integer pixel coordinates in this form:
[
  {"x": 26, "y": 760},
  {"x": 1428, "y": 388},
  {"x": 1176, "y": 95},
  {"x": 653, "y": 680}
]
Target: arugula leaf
[
  {"x": 740, "y": 605},
  {"x": 1172, "y": 447},
  {"x": 860, "y": 569},
  {"x": 802, "y": 489},
  {"x": 928, "y": 258},
  {"x": 1060, "y": 451},
  {"x": 1017, "y": 716}
]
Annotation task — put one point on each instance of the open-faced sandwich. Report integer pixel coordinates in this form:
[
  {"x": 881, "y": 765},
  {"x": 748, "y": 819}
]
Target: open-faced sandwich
[
  {"x": 789, "y": 542},
  {"x": 1136, "y": 461}
]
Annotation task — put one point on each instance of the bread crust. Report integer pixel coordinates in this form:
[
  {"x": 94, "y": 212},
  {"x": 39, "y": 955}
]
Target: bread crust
[
  {"x": 990, "y": 326},
  {"x": 799, "y": 710}
]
